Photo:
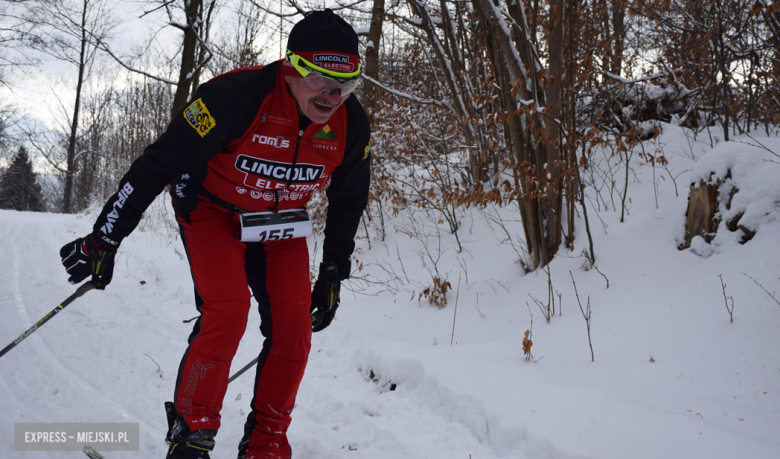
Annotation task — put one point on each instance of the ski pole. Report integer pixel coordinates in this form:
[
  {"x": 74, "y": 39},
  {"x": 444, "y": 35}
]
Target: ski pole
[
  {"x": 84, "y": 288},
  {"x": 243, "y": 370}
]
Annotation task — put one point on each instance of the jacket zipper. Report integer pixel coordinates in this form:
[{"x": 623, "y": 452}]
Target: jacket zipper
[{"x": 275, "y": 208}]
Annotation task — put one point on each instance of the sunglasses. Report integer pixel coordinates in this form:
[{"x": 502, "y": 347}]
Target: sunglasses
[{"x": 323, "y": 80}]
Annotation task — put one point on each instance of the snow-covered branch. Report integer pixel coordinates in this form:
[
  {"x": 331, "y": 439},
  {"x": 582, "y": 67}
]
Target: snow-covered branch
[{"x": 403, "y": 95}]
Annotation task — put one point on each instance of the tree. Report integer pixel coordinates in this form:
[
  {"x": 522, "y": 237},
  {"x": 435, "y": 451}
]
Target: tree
[
  {"x": 719, "y": 44},
  {"x": 532, "y": 93},
  {"x": 5, "y": 120},
  {"x": 372, "y": 55},
  {"x": 14, "y": 37},
  {"x": 194, "y": 54},
  {"x": 195, "y": 49},
  {"x": 68, "y": 31},
  {"x": 494, "y": 95},
  {"x": 19, "y": 189},
  {"x": 243, "y": 41}
]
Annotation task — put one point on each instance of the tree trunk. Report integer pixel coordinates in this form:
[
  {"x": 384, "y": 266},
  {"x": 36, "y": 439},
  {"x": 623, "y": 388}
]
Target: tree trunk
[
  {"x": 773, "y": 23},
  {"x": 372, "y": 56},
  {"x": 724, "y": 72},
  {"x": 609, "y": 55},
  {"x": 538, "y": 155},
  {"x": 453, "y": 84},
  {"x": 554, "y": 193},
  {"x": 513, "y": 124},
  {"x": 74, "y": 125},
  {"x": 203, "y": 32},
  {"x": 618, "y": 34},
  {"x": 188, "y": 54}
]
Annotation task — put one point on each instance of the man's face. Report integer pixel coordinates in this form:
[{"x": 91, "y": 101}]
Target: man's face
[{"x": 315, "y": 105}]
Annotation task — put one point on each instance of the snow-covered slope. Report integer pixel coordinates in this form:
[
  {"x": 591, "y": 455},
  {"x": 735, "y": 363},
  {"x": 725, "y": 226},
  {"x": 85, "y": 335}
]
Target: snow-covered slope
[{"x": 712, "y": 389}]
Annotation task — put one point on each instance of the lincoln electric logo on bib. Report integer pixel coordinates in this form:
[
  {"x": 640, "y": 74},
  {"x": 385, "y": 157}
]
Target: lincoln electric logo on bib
[
  {"x": 337, "y": 62},
  {"x": 299, "y": 173}
]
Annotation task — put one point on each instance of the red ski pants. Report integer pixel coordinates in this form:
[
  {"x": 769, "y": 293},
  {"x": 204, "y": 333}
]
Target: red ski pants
[{"x": 223, "y": 270}]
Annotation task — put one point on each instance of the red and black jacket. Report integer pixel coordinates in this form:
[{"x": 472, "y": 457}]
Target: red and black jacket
[{"x": 241, "y": 144}]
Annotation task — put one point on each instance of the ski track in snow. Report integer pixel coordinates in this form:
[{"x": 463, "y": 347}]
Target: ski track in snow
[
  {"x": 19, "y": 408},
  {"x": 87, "y": 389},
  {"x": 55, "y": 370},
  {"x": 341, "y": 412}
]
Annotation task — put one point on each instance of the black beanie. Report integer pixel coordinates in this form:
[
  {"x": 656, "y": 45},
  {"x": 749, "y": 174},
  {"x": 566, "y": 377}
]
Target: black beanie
[{"x": 323, "y": 31}]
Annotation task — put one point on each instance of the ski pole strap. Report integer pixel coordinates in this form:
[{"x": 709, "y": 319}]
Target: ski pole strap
[{"x": 84, "y": 288}]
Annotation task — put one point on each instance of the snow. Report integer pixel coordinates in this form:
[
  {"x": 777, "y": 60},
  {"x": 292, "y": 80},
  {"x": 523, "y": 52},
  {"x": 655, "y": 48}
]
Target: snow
[
  {"x": 747, "y": 166},
  {"x": 383, "y": 381}
]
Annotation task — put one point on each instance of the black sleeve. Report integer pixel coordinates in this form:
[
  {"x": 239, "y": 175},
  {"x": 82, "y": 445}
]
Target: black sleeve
[
  {"x": 221, "y": 111},
  {"x": 348, "y": 190}
]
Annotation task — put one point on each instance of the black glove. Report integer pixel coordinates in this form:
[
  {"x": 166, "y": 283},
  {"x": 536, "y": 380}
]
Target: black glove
[
  {"x": 83, "y": 257},
  {"x": 325, "y": 296}
]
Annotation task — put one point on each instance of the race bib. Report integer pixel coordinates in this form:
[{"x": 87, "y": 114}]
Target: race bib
[{"x": 267, "y": 226}]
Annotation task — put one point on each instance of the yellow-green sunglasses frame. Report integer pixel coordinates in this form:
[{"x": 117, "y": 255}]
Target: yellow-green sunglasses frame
[{"x": 305, "y": 67}]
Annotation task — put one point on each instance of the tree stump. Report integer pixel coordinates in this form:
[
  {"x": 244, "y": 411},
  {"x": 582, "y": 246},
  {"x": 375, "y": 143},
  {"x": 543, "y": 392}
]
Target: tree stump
[
  {"x": 703, "y": 218},
  {"x": 702, "y": 208}
]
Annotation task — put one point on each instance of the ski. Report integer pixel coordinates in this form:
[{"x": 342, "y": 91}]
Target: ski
[{"x": 90, "y": 451}]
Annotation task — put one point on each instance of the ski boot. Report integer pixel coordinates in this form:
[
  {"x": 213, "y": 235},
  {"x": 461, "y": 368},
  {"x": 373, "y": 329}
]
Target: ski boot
[{"x": 182, "y": 442}]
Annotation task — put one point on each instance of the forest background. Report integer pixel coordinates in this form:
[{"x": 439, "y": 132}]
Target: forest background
[{"x": 472, "y": 103}]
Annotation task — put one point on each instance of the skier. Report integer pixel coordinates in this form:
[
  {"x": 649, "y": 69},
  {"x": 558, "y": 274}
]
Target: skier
[{"x": 253, "y": 140}]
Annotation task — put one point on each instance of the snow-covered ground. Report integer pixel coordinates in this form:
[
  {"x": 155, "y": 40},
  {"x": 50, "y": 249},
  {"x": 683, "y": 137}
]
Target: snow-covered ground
[{"x": 672, "y": 377}]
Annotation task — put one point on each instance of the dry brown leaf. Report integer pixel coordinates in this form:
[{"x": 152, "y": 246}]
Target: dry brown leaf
[{"x": 527, "y": 343}]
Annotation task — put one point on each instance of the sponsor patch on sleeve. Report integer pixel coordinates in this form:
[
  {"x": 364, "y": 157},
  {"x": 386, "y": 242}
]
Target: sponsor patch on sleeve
[
  {"x": 367, "y": 150},
  {"x": 199, "y": 117}
]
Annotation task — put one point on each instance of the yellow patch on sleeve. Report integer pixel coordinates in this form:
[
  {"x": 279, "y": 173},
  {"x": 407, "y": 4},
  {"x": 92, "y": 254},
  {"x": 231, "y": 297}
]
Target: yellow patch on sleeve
[
  {"x": 199, "y": 117},
  {"x": 367, "y": 150}
]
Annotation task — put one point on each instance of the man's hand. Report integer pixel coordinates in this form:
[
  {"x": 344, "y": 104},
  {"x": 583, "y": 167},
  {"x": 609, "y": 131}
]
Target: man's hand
[
  {"x": 83, "y": 257},
  {"x": 325, "y": 296}
]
